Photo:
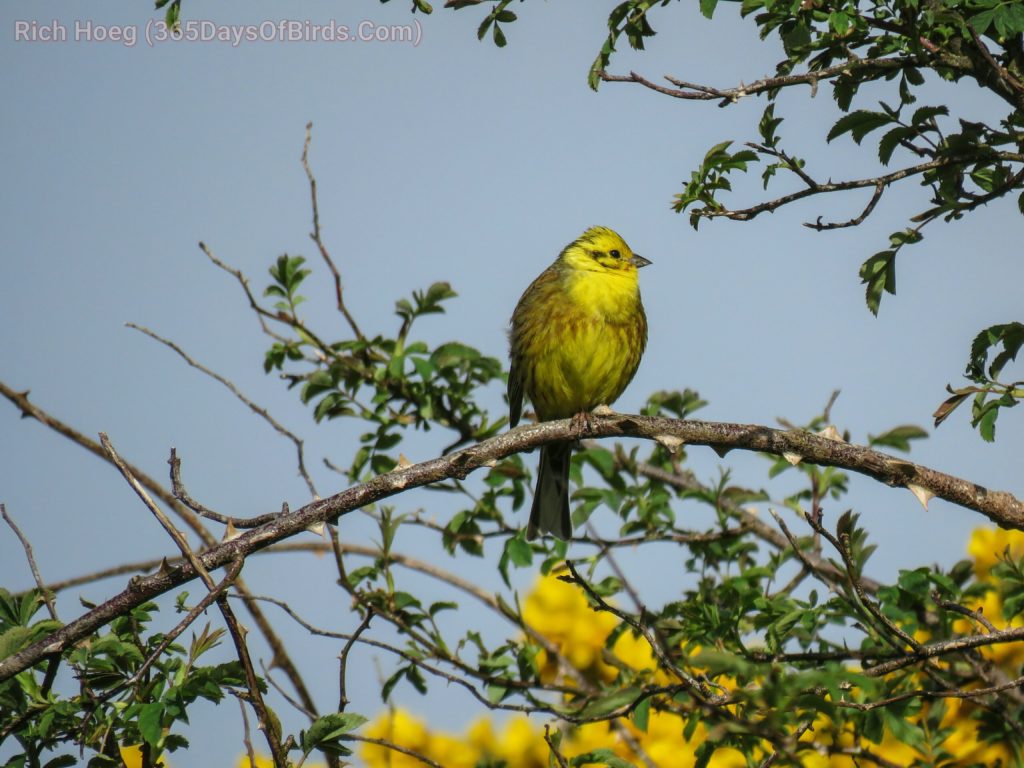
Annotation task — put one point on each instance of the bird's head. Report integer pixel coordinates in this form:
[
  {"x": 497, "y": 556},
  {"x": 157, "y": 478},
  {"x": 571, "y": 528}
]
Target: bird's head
[{"x": 600, "y": 249}]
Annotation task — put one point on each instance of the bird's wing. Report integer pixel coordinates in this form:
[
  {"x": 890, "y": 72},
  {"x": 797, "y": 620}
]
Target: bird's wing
[{"x": 515, "y": 394}]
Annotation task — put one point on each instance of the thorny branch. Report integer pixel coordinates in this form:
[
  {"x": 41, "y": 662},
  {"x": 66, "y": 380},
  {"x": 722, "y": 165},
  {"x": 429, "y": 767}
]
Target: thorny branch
[
  {"x": 999, "y": 506},
  {"x": 282, "y": 659},
  {"x": 267, "y": 722}
]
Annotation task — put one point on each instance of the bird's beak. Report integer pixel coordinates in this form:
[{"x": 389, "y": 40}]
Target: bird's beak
[{"x": 639, "y": 261}]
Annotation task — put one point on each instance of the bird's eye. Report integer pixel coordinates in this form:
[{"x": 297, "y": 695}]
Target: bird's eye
[{"x": 615, "y": 254}]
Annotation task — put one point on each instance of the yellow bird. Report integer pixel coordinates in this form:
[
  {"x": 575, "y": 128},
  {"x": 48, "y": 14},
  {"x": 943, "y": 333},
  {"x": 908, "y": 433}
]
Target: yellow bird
[{"x": 576, "y": 340}]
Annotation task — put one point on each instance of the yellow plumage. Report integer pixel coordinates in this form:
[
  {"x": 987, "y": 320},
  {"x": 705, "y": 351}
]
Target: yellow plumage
[{"x": 577, "y": 336}]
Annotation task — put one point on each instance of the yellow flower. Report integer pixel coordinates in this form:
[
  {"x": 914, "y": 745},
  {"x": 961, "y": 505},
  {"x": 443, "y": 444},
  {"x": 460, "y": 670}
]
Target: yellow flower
[
  {"x": 560, "y": 612},
  {"x": 132, "y": 756},
  {"x": 987, "y": 546},
  {"x": 397, "y": 727}
]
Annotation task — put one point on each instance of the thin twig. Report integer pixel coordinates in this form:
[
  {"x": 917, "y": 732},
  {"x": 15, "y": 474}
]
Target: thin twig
[
  {"x": 246, "y": 736},
  {"x": 266, "y": 721},
  {"x": 46, "y": 594},
  {"x": 261, "y": 314},
  {"x": 694, "y": 91},
  {"x": 559, "y": 757},
  {"x": 393, "y": 746},
  {"x": 284, "y": 694},
  {"x": 282, "y": 659},
  {"x": 316, "y": 238},
  {"x": 259, "y": 410},
  {"x": 975, "y": 615},
  {"x": 343, "y": 660},
  {"x": 957, "y": 693},
  {"x": 182, "y": 495},
  {"x": 819, "y": 226},
  {"x": 746, "y": 214},
  {"x": 168, "y": 526},
  {"x": 668, "y": 664}
]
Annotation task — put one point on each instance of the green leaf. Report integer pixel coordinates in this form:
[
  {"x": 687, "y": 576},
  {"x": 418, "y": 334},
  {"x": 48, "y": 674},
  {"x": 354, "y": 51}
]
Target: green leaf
[
  {"x": 950, "y": 404},
  {"x": 600, "y": 757},
  {"x": 150, "y": 722},
  {"x": 1009, "y": 19},
  {"x": 14, "y": 639},
  {"x": 605, "y": 705},
  {"x": 519, "y": 551},
  {"x": 925, "y": 115},
  {"x": 704, "y": 754},
  {"x": 892, "y": 139},
  {"x": 898, "y": 437},
  {"x": 987, "y": 425},
  {"x": 859, "y": 124},
  {"x": 878, "y": 273},
  {"x": 707, "y": 8},
  {"x": 641, "y": 714},
  {"x": 1009, "y": 335},
  {"x": 327, "y": 729}
]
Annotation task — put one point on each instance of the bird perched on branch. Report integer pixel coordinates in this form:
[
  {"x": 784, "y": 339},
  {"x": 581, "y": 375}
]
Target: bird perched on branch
[{"x": 576, "y": 340}]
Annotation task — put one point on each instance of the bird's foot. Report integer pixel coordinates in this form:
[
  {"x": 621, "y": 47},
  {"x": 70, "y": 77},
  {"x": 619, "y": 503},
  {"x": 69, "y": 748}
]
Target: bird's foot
[{"x": 583, "y": 423}]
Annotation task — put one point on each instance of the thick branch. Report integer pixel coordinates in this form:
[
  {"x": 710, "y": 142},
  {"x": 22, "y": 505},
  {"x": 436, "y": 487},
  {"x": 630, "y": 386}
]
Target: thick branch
[{"x": 1001, "y": 507}]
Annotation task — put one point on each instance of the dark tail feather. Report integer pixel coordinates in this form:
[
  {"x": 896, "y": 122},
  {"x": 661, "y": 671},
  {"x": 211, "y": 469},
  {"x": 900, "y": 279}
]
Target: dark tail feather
[{"x": 550, "y": 512}]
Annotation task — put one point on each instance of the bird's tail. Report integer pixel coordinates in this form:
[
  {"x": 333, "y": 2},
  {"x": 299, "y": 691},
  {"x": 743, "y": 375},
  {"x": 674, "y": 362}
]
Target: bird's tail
[{"x": 550, "y": 512}]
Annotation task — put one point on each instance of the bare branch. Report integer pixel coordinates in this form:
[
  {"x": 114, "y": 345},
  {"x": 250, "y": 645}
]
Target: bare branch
[
  {"x": 268, "y": 723},
  {"x": 343, "y": 661},
  {"x": 315, "y": 237},
  {"x": 694, "y": 91},
  {"x": 261, "y": 314},
  {"x": 158, "y": 513},
  {"x": 259, "y": 410},
  {"x": 999, "y": 506},
  {"x": 182, "y": 495},
  {"x": 818, "y": 226},
  {"x": 746, "y": 214},
  {"x": 46, "y": 594},
  {"x": 282, "y": 659},
  {"x": 392, "y": 745}
]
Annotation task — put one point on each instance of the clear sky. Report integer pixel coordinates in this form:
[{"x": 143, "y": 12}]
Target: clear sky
[{"x": 445, "y": 160}]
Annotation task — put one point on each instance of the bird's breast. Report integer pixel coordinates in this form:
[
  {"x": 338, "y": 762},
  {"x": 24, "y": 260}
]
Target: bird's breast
[{"x": 587, "y": 349}]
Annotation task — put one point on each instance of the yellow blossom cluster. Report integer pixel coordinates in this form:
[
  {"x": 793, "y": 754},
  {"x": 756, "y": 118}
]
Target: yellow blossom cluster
[
  {"x": 987, "y": 546},
  {"x": 561, "y": 615}
]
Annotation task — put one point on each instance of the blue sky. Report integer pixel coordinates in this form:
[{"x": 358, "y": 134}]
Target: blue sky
[{"x": 447, "y": 160}]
